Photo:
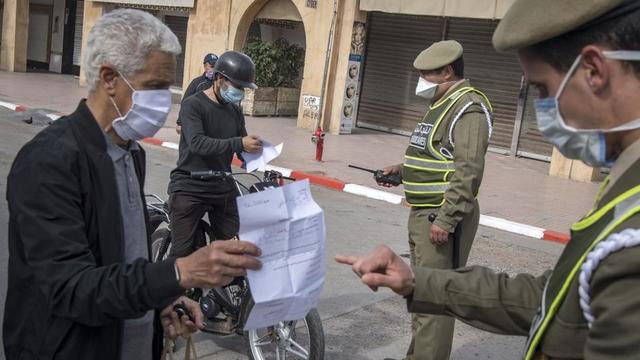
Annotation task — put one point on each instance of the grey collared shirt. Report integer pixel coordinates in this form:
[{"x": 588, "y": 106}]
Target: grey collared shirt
[{"x": 137, "y": 337}]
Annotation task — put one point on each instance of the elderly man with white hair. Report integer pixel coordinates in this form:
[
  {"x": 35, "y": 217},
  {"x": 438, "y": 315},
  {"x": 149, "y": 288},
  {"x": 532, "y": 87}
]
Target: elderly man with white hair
[{"x": 81, "y": 285}]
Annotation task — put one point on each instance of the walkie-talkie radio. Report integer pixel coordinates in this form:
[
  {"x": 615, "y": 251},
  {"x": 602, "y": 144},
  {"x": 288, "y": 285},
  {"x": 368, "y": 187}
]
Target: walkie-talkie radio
[{"x": 379, "y": 176}]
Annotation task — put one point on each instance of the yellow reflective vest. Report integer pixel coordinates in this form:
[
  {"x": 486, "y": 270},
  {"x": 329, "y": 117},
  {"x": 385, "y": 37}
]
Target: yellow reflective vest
[{"x": 428, "y": 164}]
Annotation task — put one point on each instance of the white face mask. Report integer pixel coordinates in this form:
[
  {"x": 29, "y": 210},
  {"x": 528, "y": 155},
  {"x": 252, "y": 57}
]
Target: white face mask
[
  {"x": 148, "y": 113},
  {"x": 587, "y": 145},
  {"x": 426, "y": 89}
]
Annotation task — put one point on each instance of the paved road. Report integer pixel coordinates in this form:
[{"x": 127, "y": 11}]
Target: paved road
[{"x": 359, "y": 324}]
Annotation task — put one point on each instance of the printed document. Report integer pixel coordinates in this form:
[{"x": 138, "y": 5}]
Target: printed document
[{"x": 288, "y": 226}]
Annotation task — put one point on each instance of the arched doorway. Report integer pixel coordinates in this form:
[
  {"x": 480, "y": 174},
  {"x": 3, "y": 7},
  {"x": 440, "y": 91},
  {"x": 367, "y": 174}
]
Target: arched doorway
[{"x": 273, "y": 27}]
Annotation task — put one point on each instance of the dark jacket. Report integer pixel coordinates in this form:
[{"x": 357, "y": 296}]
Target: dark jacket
[
  {"x": 68, "y": 288},
  {"x": 212, "y": 133},
  {"x": 201, "y": 83}
]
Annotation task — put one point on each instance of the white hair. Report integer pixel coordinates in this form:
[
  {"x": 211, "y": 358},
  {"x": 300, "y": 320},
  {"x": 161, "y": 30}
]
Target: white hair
[{"x": 123, "y": 39}]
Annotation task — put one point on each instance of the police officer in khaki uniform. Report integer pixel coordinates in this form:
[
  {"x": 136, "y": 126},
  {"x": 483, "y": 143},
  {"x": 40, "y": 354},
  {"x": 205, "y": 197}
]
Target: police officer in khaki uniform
[
  {"x": 441, "y": 174},
  {"x": 584, "y": 58}
]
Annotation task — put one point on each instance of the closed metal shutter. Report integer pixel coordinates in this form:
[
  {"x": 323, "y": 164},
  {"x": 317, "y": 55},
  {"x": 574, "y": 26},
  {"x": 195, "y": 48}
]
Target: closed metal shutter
[
  {"x": 531, "y": 142},
  {"x": 178, "y": 24},
  {"x": 77, "y": 37},
  {"x": 388, "y": 101},
  {"x": 498, "y": 75}
]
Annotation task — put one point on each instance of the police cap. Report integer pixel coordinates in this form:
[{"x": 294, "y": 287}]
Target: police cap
[
  {"x": 439, "y": 54},
  {"x": 528, "y": 22}
]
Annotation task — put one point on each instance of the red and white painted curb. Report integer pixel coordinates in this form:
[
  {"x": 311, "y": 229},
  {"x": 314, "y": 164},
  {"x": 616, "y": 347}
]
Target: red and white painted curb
[{"x": 360, "y": 190}]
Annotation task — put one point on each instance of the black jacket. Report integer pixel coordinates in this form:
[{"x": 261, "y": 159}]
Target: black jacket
[
  {"x": 196, "y": 85},
  {"x": 200, "y": 83},
  {"x": 68, "y": 288}
]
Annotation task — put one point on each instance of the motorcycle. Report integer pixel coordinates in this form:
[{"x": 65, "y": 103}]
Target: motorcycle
[{"x": 227, "y": 308}]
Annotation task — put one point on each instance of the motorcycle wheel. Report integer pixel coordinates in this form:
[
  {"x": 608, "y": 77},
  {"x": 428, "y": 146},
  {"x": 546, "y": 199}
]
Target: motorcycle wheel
[{"x": 303, "y": 339}]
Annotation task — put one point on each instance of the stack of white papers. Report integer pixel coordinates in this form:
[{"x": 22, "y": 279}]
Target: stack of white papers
[{"x": 288, "y": 226}]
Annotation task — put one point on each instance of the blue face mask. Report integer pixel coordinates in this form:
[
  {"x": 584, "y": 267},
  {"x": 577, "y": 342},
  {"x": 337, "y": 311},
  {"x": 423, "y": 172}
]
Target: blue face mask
[
  {"x": 588, "y": 145},
  {"x": 231, "y": 94}
]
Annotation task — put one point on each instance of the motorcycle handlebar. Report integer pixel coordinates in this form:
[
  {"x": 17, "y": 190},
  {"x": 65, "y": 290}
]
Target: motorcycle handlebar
[{"x": 209, "y": 175}]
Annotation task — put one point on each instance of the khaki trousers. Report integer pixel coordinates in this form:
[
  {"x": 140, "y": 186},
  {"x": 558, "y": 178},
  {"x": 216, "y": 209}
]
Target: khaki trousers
[{"x": 432, "y": 334}]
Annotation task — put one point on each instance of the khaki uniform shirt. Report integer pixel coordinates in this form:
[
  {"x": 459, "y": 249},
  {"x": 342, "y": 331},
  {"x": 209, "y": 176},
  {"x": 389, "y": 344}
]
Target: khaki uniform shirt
[
  {"x": 471, "y": 139},
  {"x": 507, "y": 305}
]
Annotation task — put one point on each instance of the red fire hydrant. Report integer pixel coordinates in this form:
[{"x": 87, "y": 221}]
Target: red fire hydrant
[{"x": 318, "y": 139}]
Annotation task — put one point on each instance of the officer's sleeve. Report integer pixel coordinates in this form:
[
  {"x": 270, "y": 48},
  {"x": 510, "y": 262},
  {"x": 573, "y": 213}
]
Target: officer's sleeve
[
  {"x": 471, "y": 138},
  {"x": 615, "y": 305},
  {"x": 479, "y": 297}
]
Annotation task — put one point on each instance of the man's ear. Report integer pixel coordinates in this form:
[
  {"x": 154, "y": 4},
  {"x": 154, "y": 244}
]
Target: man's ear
[
  {"x": 449, "y": 74},
  {"x": 108, "y": 76},
  {"x": 593, "y": 61}
]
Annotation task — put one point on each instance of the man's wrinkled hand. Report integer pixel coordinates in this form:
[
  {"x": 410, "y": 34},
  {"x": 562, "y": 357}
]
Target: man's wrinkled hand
[
  {"x": 174, "y": 326},
  {"x": 438, "y": 235},
  {"x": 382, "y": 268},
  {"x": 217, "y": 264}
]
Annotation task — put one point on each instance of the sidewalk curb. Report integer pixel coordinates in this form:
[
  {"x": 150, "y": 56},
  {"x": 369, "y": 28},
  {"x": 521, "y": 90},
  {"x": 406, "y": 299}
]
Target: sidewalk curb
[{"x": 360, "y": 190}]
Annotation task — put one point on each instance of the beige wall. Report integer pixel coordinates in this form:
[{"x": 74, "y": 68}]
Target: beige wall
[
  {"x": 92, "y": 12},
  {"x": 349, "y": 13},
  {"x": 15, "y": 22},
  {"x": 207, "y": 32},
  {"x": 221, "y": 25},
  {"x": 214, "y": 26},
  {"x": 317, "y": 23}
]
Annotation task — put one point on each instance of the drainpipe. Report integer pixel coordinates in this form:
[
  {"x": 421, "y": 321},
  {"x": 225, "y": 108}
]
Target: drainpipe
[
  {"x": 318, "y": 135},
  {"x": 226, "y": 45}
]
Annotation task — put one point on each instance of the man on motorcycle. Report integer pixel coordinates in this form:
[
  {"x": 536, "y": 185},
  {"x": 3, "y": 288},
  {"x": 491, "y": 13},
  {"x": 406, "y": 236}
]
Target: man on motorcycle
[{"x": 213, "y": 129}]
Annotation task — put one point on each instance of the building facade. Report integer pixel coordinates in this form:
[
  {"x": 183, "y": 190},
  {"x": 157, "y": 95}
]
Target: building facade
[{"x": 358, "y": 55}]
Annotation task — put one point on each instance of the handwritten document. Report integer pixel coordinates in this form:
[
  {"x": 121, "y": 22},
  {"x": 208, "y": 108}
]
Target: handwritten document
[
  {"x": 259, "y": 160},
  {"x": 288, "y": 226}
]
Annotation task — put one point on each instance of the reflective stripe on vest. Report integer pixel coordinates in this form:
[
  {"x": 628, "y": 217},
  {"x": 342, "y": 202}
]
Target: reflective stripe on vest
[
  {"x": 427, "y": 164},
  {"x": 454, "y": 98},
  {"x": 430, "y": 188},
  {"x": 625, "y": 206}
]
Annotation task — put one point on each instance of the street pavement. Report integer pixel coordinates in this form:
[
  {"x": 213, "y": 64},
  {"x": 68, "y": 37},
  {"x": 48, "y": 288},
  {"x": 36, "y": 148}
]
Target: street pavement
[
  {"x": 358, "y": 323},
  {"x": 515, "y": 189}
]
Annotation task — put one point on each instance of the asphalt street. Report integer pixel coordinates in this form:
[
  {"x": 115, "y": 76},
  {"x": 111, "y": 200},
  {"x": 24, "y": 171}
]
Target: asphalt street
[{"x": 358, "y": 323}]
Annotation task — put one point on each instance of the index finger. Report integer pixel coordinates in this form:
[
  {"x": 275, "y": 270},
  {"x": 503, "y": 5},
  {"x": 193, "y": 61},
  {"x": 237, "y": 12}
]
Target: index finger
[{"x": 347, "y": 260}]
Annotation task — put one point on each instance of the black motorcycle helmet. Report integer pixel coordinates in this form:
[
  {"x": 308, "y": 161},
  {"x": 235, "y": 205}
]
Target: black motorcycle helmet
[{"x": 237, "y": 68}]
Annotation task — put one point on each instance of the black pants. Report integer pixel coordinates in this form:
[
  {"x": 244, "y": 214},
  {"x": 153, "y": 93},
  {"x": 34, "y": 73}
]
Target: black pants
[{"x": 186, "y": 210}]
